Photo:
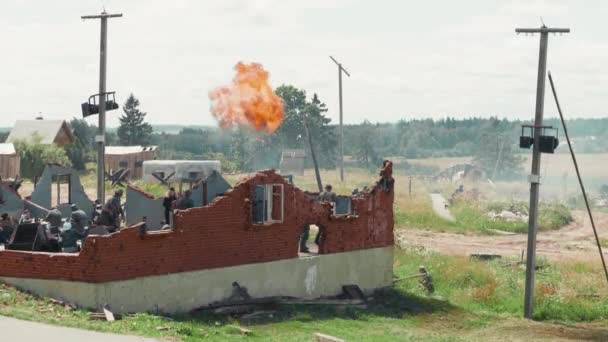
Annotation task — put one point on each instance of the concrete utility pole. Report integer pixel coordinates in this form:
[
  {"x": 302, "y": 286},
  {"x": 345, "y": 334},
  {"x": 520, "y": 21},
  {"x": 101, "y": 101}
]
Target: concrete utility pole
[
  {"x": 340, "y": 70},
  {"x": 534, "y": 177},
  {"x": 101, "y": 130}
]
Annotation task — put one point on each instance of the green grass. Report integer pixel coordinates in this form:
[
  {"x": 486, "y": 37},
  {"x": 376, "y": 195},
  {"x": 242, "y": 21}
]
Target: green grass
[
  {"x": 155, "y": 189},
  {"x": 416, "y": 210},
  {"x": 471, "y": 216},
  {"x": 568, "y": 291},
  {"x": 471, "y": 301}
]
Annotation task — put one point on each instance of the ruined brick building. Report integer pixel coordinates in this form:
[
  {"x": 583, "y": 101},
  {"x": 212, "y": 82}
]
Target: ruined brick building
[{"x": 248, "y": 234}]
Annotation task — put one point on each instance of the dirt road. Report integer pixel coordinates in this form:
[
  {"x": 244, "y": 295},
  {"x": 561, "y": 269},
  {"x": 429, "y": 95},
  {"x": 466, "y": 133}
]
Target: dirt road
[{"x": 575, "y": 241}]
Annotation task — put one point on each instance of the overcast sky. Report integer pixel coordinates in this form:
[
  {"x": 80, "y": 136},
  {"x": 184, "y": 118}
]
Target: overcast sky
[{"x": 408, "y": 59}]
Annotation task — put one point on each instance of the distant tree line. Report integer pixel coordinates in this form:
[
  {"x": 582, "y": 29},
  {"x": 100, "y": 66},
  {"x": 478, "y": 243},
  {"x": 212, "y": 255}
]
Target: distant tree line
[{"x": 492, "y": 142}]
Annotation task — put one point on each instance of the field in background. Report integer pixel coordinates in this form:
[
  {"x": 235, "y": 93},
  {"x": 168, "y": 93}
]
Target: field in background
[
  {"x": 441, "y": 163},
  {"x": 355, "y": 178},
  {"x": 558, "y": 175},
  {"x": 553, "y": 165}
]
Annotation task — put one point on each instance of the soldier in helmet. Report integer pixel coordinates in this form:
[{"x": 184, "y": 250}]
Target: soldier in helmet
[
  {"x": 112, "y": 213},
  {"x": 54, "y": 218},
  {"x": 79, "y": 220}
]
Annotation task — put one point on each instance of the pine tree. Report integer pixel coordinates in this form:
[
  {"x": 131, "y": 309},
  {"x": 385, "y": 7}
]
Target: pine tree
[
  {"x": 133, "y": 130},
  {"x": 291, "y": 134}
]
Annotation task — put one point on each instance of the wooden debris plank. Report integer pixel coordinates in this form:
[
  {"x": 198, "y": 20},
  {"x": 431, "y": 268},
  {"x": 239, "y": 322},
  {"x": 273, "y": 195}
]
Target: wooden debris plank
[
  {"x": 242, "y": 330},
  {"x": 318, "y": 337},
  {"x": 324, "y": 301}
]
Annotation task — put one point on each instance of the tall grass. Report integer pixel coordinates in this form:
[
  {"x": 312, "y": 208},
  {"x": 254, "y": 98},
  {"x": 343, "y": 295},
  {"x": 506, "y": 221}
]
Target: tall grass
[{"x": 568, "y": 291}]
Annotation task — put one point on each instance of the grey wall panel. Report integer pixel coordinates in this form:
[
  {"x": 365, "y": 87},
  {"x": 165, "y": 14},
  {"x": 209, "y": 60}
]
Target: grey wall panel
[
  {"x": 139, "y": 205},
  {"x": 42, "y": 193}
]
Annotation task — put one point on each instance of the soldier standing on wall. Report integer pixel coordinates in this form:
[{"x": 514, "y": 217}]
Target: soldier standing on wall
[
  {"x": 328, "y": 195},
  {"x": 168, "y": 204}
]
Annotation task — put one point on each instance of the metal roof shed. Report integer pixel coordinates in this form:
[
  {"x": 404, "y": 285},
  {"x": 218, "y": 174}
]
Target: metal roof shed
[{"x": 10, "y": 161}]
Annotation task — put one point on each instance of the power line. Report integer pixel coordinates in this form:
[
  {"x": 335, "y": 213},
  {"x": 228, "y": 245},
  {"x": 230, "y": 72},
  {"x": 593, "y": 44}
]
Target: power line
[{"x": 578, "y": 174}]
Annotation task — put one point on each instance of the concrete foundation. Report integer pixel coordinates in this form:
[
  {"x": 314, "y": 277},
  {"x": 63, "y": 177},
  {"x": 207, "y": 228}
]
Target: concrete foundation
[{"x": 307, "y": 277}]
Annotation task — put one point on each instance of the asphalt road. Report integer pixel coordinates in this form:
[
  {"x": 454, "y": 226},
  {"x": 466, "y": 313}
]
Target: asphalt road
[{"x": 18, "y": 330}]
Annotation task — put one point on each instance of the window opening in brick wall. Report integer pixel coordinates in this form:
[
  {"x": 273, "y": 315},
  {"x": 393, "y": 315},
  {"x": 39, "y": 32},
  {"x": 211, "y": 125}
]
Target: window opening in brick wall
[
  {"x": 268, "y": 204},
  {"x": 342, "y": 206},
  {"x": 61, "y": 190},
  {"x": 123, "y": 163}
]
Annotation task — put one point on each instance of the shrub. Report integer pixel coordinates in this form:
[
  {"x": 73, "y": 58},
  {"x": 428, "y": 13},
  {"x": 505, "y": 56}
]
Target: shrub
[
  {"x": 553, "y": 216},
  {"x": 227, "y": 164},
  {"x": 35, "y": 155}
]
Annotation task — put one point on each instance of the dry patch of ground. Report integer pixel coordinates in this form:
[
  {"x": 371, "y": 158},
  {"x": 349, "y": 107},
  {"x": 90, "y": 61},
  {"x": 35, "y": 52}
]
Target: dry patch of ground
[{"x": 573, "y": 241}]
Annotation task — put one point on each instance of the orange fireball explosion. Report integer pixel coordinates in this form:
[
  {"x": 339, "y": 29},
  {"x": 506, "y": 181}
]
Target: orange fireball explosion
[{"x": 249, "y": 100}]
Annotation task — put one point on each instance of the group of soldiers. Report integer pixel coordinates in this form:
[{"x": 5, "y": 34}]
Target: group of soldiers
[
  {"x": 108, "y": 217},
  {"x": 112, "y": 213},
  {"x": 173, "y": 201},
  {"x": 52, "y": 234}
]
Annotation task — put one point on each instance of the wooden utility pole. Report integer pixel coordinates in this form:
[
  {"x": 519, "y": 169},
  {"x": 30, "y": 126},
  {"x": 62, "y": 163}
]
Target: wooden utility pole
[
  {"x": 534, "y": 177},
  {"x": 312, "y": 153},
  {"x": 101, "y": 129},
  {"x": 340, "y": 70}
]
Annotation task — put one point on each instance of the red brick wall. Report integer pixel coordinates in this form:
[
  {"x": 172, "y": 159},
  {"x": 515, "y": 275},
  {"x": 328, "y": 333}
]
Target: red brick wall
[{"x": 218, "y": 235}]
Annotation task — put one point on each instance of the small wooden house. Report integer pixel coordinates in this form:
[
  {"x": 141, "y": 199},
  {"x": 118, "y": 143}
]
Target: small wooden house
[
  {"x": 129, "y": 157},
  {"x": 292, "y": 162},
  {"x": 10, "y": 161},
  {"x": 50, "y": 131}
]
